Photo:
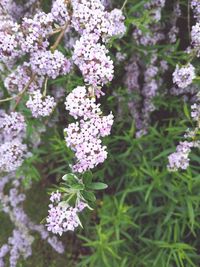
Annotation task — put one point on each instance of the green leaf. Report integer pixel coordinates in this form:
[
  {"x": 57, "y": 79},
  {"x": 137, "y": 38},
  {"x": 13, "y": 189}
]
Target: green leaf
[
  {"x": 89, "y": 196},
  {"x": 186, "y": 111},
  {"x": 97, "y": 186},
  {"x": 70, "y": 178},
  {"x": 78, "y": 186},
  {"x": 87, "y": 178},
  {"x": 190, "y": 212}
]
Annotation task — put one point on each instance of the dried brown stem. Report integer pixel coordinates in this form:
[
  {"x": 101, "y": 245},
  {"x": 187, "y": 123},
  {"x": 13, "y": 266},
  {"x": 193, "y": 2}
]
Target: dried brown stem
[
  {"x": 19, "y": 96},
  {"x": 58, "y": 40}
]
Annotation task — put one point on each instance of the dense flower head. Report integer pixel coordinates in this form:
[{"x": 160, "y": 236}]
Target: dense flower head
[
  {"x": 195, "y": 4},
  {"x": 35, "y": 32},
  {"x": 12, "y": 155},
  {"x": 116, "y": 23},
  {"x": 195, "y": 114},
  {"x": 13, "y": 125},
  {"x": 17, "y": 80},
  {"x": 87, "y": 15},
  {"x": 9, "y": 8},
  {"x": 89, "y": 155},
  {"x": 183, "y": 76},
  {"x": 92, "y": 59},
  {"x": 40, "y": 106},
  {"x": 79, "y": 104},
  {"x": 195, "y": 36},
  {"x": 87, "y": 131},
  {"x": 55, "y": 197},
  {"x": 83, "y": 136},
  {"x": 180, "y": 158},
  {"x": 91, "y": 17},
  {"x": 50, "y": 63},
  {"x": 60, "y": 12},
  {"x": 62, "y": 217},
  {"x": 84, "y": 139},
  {"x": 9, "y": 40}
]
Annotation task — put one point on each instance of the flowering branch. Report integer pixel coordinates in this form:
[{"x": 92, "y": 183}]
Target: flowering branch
[{"x": 96, "y": 27}]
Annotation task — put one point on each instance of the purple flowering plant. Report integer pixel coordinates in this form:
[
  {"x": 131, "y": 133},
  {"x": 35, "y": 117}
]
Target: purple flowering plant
[{"x": 99, "y": 133}]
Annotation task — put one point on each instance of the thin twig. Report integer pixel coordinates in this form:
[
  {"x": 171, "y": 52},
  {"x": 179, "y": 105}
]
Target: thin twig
[
  {"x": 45, "y": 86},
  {"x": 8, "y": 98},
  {"x": 19, "y": 96},
  {"x": 124, "y": 4},
  {"x": 60, "y": 36},
  {"x": 55, "y": 31}
]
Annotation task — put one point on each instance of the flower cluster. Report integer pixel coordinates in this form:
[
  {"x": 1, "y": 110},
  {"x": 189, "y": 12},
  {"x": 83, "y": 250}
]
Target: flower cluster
[
  {"x": 195, "y": 36},
  {"x": 195, "y": 33},
  {"x": 19, "y": 244},
  {"x": 60, "y": 12},
  {"x": 195, "y": 4},
  {"x": 17, "y": 80},
  {"x": 49, "y": 63},
  {"x": 183, "y": 76},
  {"x": 96, "y": 25},
  {"x": 91, "y": 57},
  {"x": 13, "y": 125},
  {"x": 30, "y": 60},
  {"x": 79, "y": 105},
  {"x": 9, "y": 40},
  {"x": 91, "y": 17},
  {"x": 84, "y": 136},
  {"x": 195, "y": 114},
  {"x": 12, "y": 155},
  {"x": 35, "y": 32},
  {"x": 40, "y": 105},
  {"x": 29, "y": 36},
  {"x": 9, "y": 9},
  {"x": 62, "y": 217},
  {"x": 180, "y": 158}
]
